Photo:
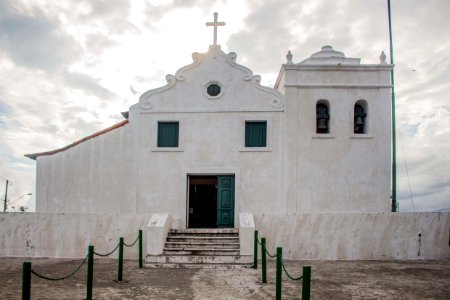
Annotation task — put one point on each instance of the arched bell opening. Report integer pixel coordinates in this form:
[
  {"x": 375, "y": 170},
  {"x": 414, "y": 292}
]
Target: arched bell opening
[
  {"x": 322, "y": 117},
  {"x": 360, "y": 117}
]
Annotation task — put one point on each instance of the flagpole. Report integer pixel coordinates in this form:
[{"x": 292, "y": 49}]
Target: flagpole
[{"x": 394, "y": 205}]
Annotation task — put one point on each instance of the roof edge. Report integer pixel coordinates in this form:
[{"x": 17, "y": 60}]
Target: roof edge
[{"x": 33, "y": 156}]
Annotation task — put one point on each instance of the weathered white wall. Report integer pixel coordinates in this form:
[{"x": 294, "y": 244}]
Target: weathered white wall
[
  {"x": 68, "y": 235},
  {"x": 342, "y": 171},
  {"x": 339, "y": 171},
  {"x": 210, "y": 143},
  {"x": 88, "y": 178},
  {"x": 357, "y": 236},
  {"x": 302, "y": 236},
  {"x": 157, "y": 230},
  {"x": 211, "y": 137},
  {"x": 246, "y": 233}
]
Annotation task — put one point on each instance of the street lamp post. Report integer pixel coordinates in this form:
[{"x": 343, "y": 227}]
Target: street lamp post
[{"x": 6, "y": 196}]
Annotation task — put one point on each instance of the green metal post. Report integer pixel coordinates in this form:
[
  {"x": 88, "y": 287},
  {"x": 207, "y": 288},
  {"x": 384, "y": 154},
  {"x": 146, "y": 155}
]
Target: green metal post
[
  {"x": 119, "y": 273},
  {"x": 306, "y": 281},
  {"x": 140, "y": 249},
  {"x": 278, "y": 280},
  {"x": 90, "y": 273},
  {"x": 394, "y": 133},
  {"x": 26, "y": 281},
  {"x": 255, "y": 251},
  {"x": 263, "y": 260}
]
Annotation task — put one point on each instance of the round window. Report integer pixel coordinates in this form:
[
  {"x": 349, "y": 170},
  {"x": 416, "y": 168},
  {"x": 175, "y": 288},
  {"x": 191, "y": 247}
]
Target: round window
[{"x": 213, "y": 90}]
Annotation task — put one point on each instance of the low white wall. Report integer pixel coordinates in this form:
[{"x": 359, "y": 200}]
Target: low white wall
[
  {"x": 356, "y": 236},
  {"x": 350, "y": 236},
  {"x": 68, "y": 235},
  {"x": 246, "y": 232},
  {"x": 157, "y": 230}
]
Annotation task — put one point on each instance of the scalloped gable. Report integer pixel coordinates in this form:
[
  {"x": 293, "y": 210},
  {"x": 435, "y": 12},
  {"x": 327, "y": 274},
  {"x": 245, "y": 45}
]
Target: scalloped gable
[{"x": 187, "y": 90}]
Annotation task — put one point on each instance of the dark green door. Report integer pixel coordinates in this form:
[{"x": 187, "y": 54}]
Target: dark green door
[{"x": 225, "y": 201}]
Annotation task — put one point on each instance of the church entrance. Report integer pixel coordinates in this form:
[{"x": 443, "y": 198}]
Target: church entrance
[{"x": 210, "y": 201}]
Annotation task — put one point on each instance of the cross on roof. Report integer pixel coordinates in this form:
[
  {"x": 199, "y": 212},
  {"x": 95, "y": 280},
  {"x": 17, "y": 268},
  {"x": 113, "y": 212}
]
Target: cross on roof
[{"x": 215, "y": 24}]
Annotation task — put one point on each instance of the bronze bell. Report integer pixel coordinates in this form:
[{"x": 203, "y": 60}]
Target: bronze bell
[
  {"x": 359, "y": 122},
  {"x": 322, "y": 124}
]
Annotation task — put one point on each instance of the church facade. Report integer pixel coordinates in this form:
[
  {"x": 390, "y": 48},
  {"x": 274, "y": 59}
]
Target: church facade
[
  {"x": 307, "y": 163},
  {"x": 213, "y": 143}
]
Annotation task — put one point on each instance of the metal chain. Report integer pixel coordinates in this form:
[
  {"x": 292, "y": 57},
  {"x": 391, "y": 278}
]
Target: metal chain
[
  {"x": 99, "y": 254},
  {"x": 271, "y": 256},
  {"x": 63, "y": 277},
  {"x": 257, "y": 240},
  {"x": 288, "y": 275},
  {"x": 125, "y": 244}
]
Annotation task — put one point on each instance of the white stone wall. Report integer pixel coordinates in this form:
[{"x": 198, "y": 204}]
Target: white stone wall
[
  {"x": 210, "y": 143},
  {"x": 339, "y": 171},
  {"x": 357, "y": 236},
  {"x": 90, "y": 177},
  {"x": 68, "y": 235},
  {"x": 335, "y": 236}
]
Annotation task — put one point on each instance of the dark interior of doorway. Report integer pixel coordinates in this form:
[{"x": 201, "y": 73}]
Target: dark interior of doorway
[{"x": 202, "y": 202}]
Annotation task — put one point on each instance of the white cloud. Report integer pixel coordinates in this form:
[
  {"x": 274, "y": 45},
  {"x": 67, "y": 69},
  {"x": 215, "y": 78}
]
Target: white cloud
[
  {"x": 33, "y": 40},
  {"x": 68, "y": 68}
]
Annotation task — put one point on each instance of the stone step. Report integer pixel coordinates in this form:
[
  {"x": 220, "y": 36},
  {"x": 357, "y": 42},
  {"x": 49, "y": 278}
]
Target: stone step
[
  {"x": 200, "y": 251},
  {"x": 202, "y": 239},
  {"x": 223, "y": 266},
  {"x": 199, "y": 248},
  {"x": 204, "y": 234},
  {"x": 198, "y": 259},
  {"x": 205, "y": 230},
  {"x": 178, "y": 245}
]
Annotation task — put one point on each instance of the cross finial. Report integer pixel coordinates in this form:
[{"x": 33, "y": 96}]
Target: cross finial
[{"x": 215, "y": 24}]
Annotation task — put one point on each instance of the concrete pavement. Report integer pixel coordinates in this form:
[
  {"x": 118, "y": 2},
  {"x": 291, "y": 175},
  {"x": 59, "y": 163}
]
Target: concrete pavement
[{"x": 330, "y": 280}]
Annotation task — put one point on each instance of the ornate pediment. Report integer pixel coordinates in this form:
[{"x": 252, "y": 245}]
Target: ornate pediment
[{"x": 213, "y": 81}]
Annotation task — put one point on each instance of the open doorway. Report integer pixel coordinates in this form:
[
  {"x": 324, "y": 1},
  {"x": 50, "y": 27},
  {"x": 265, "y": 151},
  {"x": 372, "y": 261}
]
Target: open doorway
[
  {"x": 202, "y": 202},
  {"x": 210, "y": 201}
]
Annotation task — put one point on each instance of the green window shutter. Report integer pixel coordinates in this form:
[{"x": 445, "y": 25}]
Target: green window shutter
[
  {"x": 255, "y": 134},
  {"x": 168, "y": 134}
]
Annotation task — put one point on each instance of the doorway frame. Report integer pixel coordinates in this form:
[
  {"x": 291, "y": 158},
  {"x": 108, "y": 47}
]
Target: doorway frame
[
  {"x": 184, "y": 182},
  {"x": 188, "y": 202}
]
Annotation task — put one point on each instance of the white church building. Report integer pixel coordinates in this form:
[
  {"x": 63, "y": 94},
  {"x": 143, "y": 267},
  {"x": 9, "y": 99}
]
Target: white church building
[
  {"x": 307, "y": 163},
  {"x": 213, "y": 143}
]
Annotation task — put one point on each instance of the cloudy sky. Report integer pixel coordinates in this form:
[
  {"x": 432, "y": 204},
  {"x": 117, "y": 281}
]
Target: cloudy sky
[{"x": 68, "y": 68}]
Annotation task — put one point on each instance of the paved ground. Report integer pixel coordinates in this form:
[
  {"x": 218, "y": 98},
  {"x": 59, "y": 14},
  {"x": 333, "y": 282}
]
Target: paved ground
[{"x": 331, "y": 280}]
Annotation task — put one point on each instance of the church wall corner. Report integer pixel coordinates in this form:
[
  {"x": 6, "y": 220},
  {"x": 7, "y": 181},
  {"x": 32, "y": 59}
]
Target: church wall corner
[
  {"x": 339, "y": 171},
  {"x": 85, "y": 178}
]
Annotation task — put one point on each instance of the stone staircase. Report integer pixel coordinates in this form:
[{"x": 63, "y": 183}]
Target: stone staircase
[{"x": 200, "y": 248}]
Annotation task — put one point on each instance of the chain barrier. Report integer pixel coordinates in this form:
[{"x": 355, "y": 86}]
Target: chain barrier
[
  {"x": 280, "y": 267},
  {"x": 62, "y": 277},
  {"x": 288, "y": 275},
  {"x": 108, "y": 254},
  {"x": 267, "y": 252},
  {"x": 125, "y": 244},
  {"x": 271, "y": 256},
  {"x": 27, "y": 269}
]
